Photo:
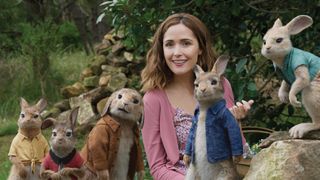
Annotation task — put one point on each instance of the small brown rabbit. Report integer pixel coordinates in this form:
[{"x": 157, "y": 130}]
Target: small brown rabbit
[
  {"x": 215, "y": 140},
  {"x": 300, "y": 70},
  {"x": 112, "y": 150},
  {"x": 63, "y": 161},
  {"x": 29, "y": 146}
]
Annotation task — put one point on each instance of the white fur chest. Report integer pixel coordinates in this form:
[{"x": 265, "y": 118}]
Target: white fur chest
[
  {"x": 120, "y": 170},
  {"x": 200, "y": 140}
]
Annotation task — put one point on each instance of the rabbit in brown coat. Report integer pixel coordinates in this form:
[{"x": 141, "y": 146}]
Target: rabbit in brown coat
[
  {"x": 300, "y": 70},
  {"x": 112, "y": 150},
  {"x": 29, "y": 146},
  {"x": 63, "y": 161}
]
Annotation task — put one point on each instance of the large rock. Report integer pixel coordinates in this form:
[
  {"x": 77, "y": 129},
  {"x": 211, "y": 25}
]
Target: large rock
[
  {"x": 91, "y": 82},
  {"x": 96, "y": 64},
  {"x": 117, "y": 82},
  {"x": 74, "y": 90},
  {"x": 86, "y": 111},
  {"x": 110, "y": 70},
  {"x": 116, "y": 61},
  {"x": 287, "y": 160}
]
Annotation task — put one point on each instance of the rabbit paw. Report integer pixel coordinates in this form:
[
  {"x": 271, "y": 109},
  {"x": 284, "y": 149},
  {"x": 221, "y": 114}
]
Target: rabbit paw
[
  {"x": 46, "y": 174},
  {"x": 56, "y": 176},
  {"x": 294, "y": 101},
  {"x": 236, "y": 159},
  {"x": 66, "y": 171},
  {"x": 283, "y": 96},
  {"x": 140, "y": 175},
  {"x": 23, "y": 172},
  {"x": 299, "y": 130},
  {"x": 186, "y": 160},
  {"x": 103, "y": 175},
  {"x": 72, "y": 171}
]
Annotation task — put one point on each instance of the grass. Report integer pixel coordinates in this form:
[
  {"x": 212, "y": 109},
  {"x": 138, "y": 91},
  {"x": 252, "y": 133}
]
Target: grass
[{"x": 5, "y": 164}]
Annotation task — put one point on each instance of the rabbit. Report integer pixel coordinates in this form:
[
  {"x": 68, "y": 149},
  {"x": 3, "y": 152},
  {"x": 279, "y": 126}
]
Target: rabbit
[
  {"x": 112, "y": 150},
  {"x": 300, "y": 70},
  {"x": 62, "y": 161},
  {"x": 214, "y": 142},
  {"x": 29, "y": 146}
]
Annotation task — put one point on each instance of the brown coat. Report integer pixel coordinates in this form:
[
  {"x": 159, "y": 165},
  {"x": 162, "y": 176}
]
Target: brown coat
[{"x": 102, "y": 145}]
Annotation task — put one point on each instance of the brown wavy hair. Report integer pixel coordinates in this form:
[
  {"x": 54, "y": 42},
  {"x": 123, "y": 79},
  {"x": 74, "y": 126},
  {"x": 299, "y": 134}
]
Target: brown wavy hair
[{"x": 156, "y": 73}]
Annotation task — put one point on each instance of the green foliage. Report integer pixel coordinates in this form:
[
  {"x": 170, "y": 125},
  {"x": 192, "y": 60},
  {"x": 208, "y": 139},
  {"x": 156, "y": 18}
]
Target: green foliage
[
  {"x": 5, "y": 164},
  {"x": 38, "y": 40},
  {"x": 237, "y": 28},
  {"x": 11, "y": 14},
  {"x": 8, "y": 127},
  {"x": 69, "y": 35},
  {"x": 16, "y": 80}
]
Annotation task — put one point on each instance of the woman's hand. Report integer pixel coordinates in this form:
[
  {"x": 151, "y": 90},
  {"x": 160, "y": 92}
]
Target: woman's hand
[
  {"x": 240, "y": 110},
  {"x": 186, "y": 160}
]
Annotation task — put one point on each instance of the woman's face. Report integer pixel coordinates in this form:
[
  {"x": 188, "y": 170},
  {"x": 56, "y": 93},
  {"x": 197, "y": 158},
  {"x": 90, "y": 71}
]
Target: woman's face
[{"x": 181, "y": 49}]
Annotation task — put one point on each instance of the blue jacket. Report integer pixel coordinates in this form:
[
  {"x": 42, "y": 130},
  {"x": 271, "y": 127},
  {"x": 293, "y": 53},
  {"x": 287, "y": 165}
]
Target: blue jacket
[{"x": 222, "y": 134}]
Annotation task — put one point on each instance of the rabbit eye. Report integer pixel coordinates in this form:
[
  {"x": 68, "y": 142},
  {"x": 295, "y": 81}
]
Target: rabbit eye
[
  {"x": 135, "y": 101},
  {"x": 54, "y": 134},
  {"x": 214, "y": 82},
  {"x": 264, "y": 42},
  {"x": 69, "y": 134},
  {"x": 279, "y": 40},
  {"x": 35, "y": 116},
  {"x": 22, "y": 115},
  {"x": 196, "y": 85},
  {"x": 119, "y": 96}
]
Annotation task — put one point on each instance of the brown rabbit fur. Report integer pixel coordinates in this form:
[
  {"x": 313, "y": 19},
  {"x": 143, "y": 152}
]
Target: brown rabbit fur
[
  {"x": 302, "y": 65},
  {"x": 112, "y": 149},
  {"x": 29, "y": 146},
  {"x": 208, "y": 92},
  {"x": 63, "y": 162}
]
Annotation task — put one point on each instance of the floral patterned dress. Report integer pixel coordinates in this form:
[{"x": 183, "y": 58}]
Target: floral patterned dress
[{"x": 182, "y": 123}]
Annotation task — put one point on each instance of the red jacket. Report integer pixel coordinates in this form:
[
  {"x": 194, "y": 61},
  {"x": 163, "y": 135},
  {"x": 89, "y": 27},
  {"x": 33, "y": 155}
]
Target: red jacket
[{"x": 75, "y": 162}]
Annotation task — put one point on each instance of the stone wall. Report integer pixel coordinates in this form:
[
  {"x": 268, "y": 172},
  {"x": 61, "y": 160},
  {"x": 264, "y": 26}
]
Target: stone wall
[{"x": 112, "y": 68}]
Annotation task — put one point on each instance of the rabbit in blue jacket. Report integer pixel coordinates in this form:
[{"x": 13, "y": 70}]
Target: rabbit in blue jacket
[{"x": 215, "y": 140}]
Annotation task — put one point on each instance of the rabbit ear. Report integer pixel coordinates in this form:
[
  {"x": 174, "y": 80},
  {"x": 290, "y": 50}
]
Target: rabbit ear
[
  {"x": 73, "y": 117},
  {"x": 48, "y": 123},
  {"x": 298, "y": 24},
  {"x": 220, "y": 65},
  {"x": 23, "y": 103},
  {"x": 108, "y": 104},
  {"x": 277, "y": 23},
  {"x": 41, "y": 104},
  {"x": 197, "y": 70}
]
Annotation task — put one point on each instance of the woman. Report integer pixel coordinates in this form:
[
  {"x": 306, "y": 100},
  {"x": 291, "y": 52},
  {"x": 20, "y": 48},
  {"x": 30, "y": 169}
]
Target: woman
[{"x": 180, "y": 42}]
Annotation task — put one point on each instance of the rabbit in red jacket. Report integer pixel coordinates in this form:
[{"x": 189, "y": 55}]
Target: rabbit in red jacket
[{"x": 62, "y": 161}]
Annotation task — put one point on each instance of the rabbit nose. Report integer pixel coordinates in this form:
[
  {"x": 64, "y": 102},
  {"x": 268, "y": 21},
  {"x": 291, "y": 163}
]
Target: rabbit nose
[
  {"x": 203, "y": 89},
  {"x": 268, "y": 48}
]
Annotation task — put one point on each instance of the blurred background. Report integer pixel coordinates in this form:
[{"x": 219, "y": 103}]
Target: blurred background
[{"x": 62, "y": 49}]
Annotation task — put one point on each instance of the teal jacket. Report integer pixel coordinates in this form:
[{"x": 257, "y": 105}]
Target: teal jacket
[{"x": 296, "y": 58}]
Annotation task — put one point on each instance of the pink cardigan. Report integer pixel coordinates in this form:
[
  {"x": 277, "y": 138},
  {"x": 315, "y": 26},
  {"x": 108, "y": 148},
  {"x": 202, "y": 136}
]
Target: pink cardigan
[{"x": 159, "y": 135}]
